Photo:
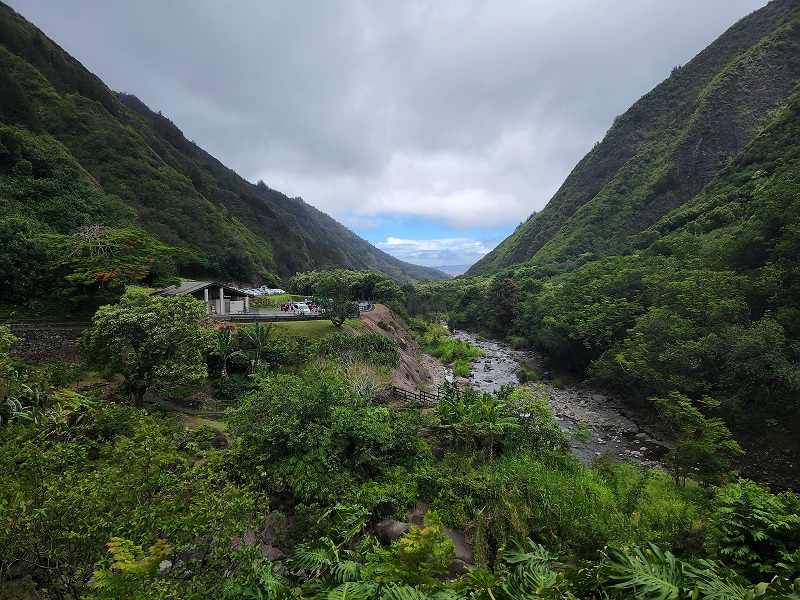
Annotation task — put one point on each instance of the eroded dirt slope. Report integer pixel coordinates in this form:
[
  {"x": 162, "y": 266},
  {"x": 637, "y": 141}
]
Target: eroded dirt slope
[{"x": 411, "y": 374}]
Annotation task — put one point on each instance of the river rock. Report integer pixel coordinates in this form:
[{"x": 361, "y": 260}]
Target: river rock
[
  {"x": 457, "y": 569},
  {"x": 390, "y": 530},
  {"x": 464, "y": 550},
  {"x": 271, "y": 553},
  {"x": 601, "y": 412}
]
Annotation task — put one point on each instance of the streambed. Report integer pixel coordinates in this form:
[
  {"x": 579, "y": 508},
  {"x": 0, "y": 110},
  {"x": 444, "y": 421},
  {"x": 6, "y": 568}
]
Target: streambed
[{"x": 610, "y": 431}]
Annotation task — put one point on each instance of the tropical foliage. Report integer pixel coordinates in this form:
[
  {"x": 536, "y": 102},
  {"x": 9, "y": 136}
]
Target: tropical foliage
[
  {"x": 655, "y": 273},
  {"x": 151, "y": 341},
  {"x": 105, "y": 500}
]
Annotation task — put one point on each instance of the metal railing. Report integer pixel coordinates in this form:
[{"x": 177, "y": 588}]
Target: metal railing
[
  {"x": 252, "y": 317},
  {"x": 418, "y": 397}
]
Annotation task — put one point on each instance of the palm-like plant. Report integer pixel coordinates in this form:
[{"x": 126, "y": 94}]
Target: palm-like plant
[
  {"x": 480, "y": 420},
  {"x": 226, "y": 346},
  {"x": 259, "y": 337}
]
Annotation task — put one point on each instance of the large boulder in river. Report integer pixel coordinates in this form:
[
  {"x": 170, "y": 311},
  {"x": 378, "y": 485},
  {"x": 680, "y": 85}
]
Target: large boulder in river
[{"x": 390, "y": 530}]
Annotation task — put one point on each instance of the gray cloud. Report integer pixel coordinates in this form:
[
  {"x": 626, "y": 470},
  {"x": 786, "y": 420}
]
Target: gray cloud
[{"x": 469, "y": 112}]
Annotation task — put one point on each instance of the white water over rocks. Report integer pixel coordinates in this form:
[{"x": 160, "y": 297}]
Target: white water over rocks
[{"x": 610, "y": 431}]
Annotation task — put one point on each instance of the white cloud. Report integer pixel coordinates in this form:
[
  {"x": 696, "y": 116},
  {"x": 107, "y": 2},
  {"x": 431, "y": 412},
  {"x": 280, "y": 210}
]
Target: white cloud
[{"x": 437, "y": 252}]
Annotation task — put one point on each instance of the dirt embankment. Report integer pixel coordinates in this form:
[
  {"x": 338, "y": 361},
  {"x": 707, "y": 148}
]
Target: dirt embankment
[{"x": 413, "y": 372}]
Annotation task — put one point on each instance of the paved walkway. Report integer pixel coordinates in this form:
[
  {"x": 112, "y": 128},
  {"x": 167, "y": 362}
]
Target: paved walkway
[{"x": 169, "y": 405}]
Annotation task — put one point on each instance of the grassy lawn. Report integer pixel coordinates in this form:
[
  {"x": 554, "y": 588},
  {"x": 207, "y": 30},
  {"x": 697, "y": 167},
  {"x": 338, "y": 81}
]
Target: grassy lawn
[
  {"x": 195, "y": 422},
  {"x": 311, "y": 329}
]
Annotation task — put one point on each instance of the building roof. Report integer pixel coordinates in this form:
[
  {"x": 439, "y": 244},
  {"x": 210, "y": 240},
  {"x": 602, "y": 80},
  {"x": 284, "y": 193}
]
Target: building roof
[{"x": 190, "y": 287}]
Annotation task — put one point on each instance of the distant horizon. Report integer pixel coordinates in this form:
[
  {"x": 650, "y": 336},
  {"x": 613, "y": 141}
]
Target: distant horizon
[{"x": 453, "y": 270}]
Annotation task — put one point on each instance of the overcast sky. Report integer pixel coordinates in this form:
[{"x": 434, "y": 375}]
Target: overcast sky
[{"x": 431, "y": 128}]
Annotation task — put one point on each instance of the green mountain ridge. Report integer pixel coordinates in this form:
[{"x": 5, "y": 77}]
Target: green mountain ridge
[
  {"x": 666, "y": 270},
  {"x": 671, "y": 143},
  {"x": 74, "y": 153}
]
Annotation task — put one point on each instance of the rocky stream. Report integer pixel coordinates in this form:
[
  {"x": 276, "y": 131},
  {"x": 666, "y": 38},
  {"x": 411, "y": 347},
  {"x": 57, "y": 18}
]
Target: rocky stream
[{"x": 610, "y": 430}]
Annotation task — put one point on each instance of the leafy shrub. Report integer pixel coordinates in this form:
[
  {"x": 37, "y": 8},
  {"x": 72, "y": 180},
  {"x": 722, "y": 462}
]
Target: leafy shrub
[
  {"x": 526, "y": 375},
  {"x": 758, "y": 533},
  {"x": 660, "y": 512},
  {"x": 305, "y": 433},
  {"x": 461, "y": 368},
  {"x": 415, "y": 558},
  {"x": 61, "y": 374},
  {"x": 518, "y": 342},
  {"x": 59, "y": 511},
  {"x": 437, "y": 343},
  {"x": 232, "y": 390},
  {"x": 369, "y": 347},
  {"x": 114, "y": 421}
]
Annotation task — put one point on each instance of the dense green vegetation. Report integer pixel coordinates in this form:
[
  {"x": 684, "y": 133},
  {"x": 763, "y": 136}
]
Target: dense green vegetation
[
  {"x": 701, "y": 308},
  {"x": 103, "y": 500},
  {"x": 665, "y": 269},
  {"x": 151, "y": 341}
]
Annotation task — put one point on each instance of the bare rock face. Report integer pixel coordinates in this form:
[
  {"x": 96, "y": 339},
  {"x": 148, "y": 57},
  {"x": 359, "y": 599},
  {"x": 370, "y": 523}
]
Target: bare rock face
[
  {"x": 390, "y": 530},
  {"x": 271, "y": 553},
  {"x": 464, "y": 550},
  {"x": 412, "y": 374}
]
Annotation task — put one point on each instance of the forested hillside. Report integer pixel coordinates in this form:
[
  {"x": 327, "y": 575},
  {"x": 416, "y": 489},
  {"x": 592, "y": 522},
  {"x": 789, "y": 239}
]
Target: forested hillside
[
  {"x": 672, "y": 142},
  {"x": 75, "y": 154},
  {"x": 680, "y": 294}
]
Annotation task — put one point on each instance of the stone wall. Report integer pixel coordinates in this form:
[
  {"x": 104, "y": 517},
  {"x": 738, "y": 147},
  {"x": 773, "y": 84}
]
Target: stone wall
[{"x": 47, "y": 342}]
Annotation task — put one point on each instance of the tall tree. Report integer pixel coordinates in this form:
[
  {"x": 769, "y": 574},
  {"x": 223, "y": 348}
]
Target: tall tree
[
  {"x": 101, "y": 257},
  {"x": 337, "y": 292},
  {"x": 151, "y": 341}
]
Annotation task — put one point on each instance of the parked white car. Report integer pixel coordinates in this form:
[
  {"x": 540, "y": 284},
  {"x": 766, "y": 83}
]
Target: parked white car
[{"x": 301, "y": 308}]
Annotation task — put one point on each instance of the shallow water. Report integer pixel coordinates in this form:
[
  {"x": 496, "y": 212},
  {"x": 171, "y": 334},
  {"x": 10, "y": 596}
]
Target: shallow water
[{"x": 610, "y": 431}]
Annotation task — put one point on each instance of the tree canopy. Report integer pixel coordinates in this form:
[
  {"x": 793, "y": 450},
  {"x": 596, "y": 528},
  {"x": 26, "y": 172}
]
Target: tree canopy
[{"x": 151, "y": 341}]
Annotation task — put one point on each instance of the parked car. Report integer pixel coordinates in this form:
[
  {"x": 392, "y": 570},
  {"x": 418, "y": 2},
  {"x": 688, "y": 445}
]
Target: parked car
[{"x": 301, "y": 308}]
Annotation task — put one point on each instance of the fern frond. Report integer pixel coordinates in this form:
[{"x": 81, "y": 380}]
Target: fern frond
[
  {"x": 647, "y": 572},
  {"x": 346, "y": 521},
  {"x": 530, "y": 580},
  {"x": 715, "y": 581},
  {"x": 721, "y": 589},
  {"x": 314, "y": 557},
  {"x": 353, "y": 590},
  {"x": 346, "y": 571},
  {"x": 275, "y": 586},
  {"x": 537, "y": 554},
  {"x": 477, "y": 581}
]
